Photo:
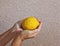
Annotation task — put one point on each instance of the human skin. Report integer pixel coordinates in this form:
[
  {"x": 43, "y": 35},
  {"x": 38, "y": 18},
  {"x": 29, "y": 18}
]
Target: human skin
[{"x": 17, "y": 35}]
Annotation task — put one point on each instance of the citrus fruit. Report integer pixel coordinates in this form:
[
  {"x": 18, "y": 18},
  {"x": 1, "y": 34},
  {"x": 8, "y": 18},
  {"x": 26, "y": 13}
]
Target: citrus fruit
[{"x": 30, "y": 23}]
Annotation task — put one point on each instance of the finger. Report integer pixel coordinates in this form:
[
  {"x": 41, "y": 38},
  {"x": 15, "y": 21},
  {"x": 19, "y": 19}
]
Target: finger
[
  {"x": 33, "y": 35},
  {"x": 34, "y": 31},
  {"x": 40, "y": 26},
  {"x": 18, "y": 28},
  {"x": 19, "y": 22}
]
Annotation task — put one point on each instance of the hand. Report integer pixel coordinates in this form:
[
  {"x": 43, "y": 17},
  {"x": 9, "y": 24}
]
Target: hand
[
  {"x": 26, "y": 34},
  {"x": 17, "y": 27}
]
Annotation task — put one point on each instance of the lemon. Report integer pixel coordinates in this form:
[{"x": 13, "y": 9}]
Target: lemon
[{"x": 30, "y": 23}]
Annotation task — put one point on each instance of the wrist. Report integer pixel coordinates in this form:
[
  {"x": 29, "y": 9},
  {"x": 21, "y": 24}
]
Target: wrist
[{"x": 22, "y": 38}]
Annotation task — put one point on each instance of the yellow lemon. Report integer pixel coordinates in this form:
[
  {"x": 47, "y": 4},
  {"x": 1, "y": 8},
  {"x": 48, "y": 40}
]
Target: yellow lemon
[{"x": 30, "y": 23}]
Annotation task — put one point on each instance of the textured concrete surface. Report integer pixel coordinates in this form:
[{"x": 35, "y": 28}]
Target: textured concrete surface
[{"x": 46, "y": 10}]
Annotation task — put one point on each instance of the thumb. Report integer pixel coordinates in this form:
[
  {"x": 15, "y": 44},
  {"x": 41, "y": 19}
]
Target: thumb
[{"x": 18, "y": 28}]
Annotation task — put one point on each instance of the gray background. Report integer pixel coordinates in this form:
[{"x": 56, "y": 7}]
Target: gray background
[{"x": 46, "y": 10}]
